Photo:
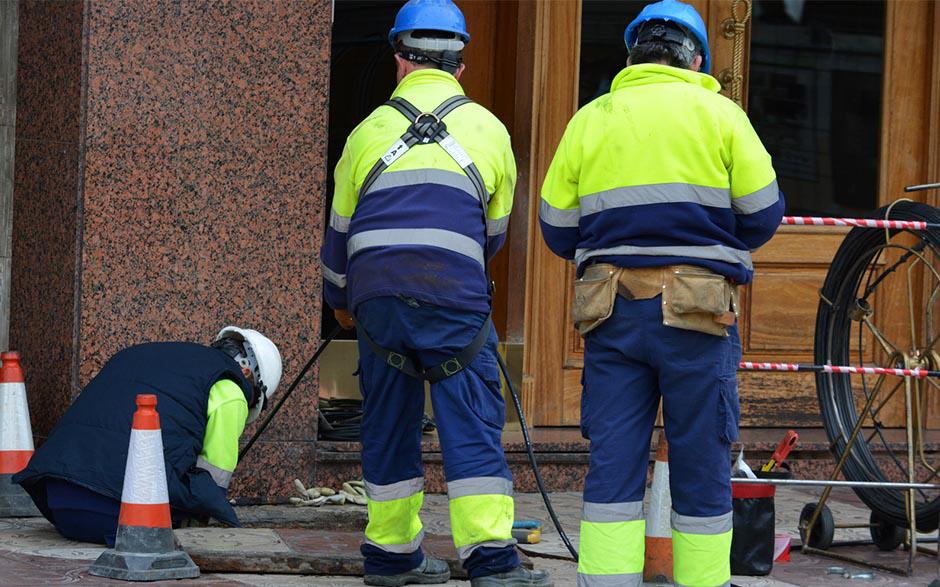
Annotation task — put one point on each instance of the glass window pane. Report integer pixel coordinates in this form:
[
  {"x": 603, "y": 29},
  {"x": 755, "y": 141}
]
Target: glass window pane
[
  {"x": 603, "y": 53},
  {"x": 815, "y": 100}
]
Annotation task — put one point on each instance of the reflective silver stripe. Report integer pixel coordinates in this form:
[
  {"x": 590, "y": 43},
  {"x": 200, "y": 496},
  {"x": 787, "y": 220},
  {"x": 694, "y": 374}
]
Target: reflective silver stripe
[
  {"x": 756, "y": 201},
  {"x": 626, "y": 511},
  {"x": 397, "y": 179},
  {"x": 623, "y": 580},
  {"x": 479, "y": 486},
  {"x": 498, "y": 226},
  {"x": 708, "y": 525},
  {"x": 660, "y": 193},
  {"x": 338, "y": 222},
  {"x": 464, "y": 552},
  {"x": 337, "y": 279},
  {"x": 557, "y": 217},
  {"x": 400, "y": 548},
  {"x": 398, "y": 490},
  {"x": 429, "y": 237},
  {"x": 221, "y": 477},
  {"x": 725, "y": 584},
  {"x": 713, "y": 252}
]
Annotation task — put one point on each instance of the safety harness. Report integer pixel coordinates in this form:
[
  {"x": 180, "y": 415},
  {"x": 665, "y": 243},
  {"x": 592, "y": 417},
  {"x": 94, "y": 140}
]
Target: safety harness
[{"x": 425, "y": 128}]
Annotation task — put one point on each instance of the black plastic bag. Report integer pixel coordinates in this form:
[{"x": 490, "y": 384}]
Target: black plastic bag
[{"x": 752, "y": 543}]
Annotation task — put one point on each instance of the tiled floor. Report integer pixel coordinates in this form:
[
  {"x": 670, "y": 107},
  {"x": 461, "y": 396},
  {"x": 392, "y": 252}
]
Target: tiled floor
[{"x": 31, "y": 553}]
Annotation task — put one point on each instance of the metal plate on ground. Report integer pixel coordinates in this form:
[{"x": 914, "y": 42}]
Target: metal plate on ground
[{"x": 294, "y": 551}]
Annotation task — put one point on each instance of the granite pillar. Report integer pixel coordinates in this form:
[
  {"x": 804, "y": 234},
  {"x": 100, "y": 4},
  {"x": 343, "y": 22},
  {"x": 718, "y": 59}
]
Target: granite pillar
[{"x": 170, "y": 176}]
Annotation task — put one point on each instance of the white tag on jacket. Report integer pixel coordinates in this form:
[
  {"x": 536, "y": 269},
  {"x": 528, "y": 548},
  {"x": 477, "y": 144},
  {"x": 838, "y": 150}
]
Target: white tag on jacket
[
  {"x": 454, "y": 149},
  {"x": 394, "y": 152}
]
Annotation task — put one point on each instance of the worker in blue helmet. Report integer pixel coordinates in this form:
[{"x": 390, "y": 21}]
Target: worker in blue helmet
[
  {"x": 659, "y": 191},
  {"x": 669, "y": 31},
  {"x": 422, "y": 201}
]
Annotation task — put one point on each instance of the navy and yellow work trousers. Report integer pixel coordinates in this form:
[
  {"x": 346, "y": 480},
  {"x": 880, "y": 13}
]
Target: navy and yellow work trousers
[
  {"x": 469, "y": 411},
  {"x": 630, "y": 361}
]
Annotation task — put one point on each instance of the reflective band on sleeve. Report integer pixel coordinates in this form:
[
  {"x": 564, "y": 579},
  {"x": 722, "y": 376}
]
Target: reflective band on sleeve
[
  {"x": 398, "y": 490},
  {"x": 623, "y": 580},
  {"x": 464, "y": 552},
  {"x": 612, "y": 512},
  {"x": 454, "y": 149},
  {"x": 428, "y": 237},
  {"x": 756, "y": 201},
  {"x": 145, "y": 473},
  {"x": 394, "y": 152},
  {"x": 712, "y": 252},
  {"x": 662, "y": 193},
  {"x": 612, "y": 548},
  {"x": 221, "y": 477},
  {"x": 479, "y": 486},
  {"x": 394, "y": 524},
  {"x": 338, "y": 222},
  {"x": 394, "y": 179},
  {"x": 701, "y": 559},
  {"x": 498, "y": 226},
  {"x": 337, "y": 279},
  {"x": 558, "y": 217},
  {"x": 701, "y": 525}
]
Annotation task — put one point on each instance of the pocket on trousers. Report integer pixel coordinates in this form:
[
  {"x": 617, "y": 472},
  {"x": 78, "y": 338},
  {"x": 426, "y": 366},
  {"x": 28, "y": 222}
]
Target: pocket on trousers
[
  {"x": 486, "y": 397},
  {"x": 728, "y": 409}
]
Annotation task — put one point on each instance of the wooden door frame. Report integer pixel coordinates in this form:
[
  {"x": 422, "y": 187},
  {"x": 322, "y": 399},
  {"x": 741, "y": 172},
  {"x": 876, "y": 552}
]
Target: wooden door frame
[{"x": 552, "y": 51}]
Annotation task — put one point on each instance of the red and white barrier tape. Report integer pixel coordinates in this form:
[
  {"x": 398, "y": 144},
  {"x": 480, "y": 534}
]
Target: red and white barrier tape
[
  {"x": 752, "y": 366},
  {"x": 861, "y": 222}
]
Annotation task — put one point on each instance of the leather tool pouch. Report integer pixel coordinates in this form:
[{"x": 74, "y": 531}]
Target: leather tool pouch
[
  {"x": 594, "y": 296},
  {"x": 697, "y": 299}
]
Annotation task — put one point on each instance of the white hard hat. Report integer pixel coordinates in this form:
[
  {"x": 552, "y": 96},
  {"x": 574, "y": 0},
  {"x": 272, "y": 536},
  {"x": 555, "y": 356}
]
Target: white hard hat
[{"x": 267, "y": 373}]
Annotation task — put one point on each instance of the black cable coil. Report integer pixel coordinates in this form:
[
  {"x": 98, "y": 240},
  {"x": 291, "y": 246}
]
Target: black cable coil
[{"x": 833, "y": 340}]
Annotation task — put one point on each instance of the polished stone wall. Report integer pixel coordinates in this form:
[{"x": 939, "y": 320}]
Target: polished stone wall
[{"x": 170, "y": 180}]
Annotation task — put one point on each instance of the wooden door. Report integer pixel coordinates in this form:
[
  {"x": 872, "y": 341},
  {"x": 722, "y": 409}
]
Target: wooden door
[{"x": 780, "y": 307}]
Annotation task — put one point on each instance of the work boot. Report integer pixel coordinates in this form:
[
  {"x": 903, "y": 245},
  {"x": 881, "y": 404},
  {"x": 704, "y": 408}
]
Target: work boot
[
  {"x": 518, "y": 577},
  {"x": 431, "y": 572}
]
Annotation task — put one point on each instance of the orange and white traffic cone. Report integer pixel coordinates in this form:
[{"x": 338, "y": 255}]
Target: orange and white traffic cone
[
  {"x": 658, "y": 565},
  {"x": 16, "y": 438},
  {"x": 145, "y": 548}
]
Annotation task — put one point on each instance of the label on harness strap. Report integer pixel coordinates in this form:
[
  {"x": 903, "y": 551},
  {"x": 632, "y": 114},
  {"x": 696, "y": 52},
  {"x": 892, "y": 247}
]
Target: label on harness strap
[
  {"x": 394, "y": 152},
  {"x": 454, "y": 149}
]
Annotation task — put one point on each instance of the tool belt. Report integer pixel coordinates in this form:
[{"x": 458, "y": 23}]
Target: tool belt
[{"x": 693, "y": 297}]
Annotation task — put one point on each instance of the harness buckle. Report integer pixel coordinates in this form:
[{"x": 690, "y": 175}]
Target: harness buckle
[
  {"x": 427, "y": 131},
  {"x": 451, "y": 366},
  {"x": 396, "y": 360}
]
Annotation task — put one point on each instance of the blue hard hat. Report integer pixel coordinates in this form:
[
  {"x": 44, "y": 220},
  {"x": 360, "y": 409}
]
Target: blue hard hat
[
  {"x": 671, "y": 11},
  {"x": 432, "y": 15}
]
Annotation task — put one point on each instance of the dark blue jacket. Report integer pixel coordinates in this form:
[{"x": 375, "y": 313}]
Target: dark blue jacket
[{"x": 88, "y": 446}]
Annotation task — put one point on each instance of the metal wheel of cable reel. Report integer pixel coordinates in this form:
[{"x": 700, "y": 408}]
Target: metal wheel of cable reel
[
  {"x": 872, "y": 270},
  {"x": 823, "y": 531}
]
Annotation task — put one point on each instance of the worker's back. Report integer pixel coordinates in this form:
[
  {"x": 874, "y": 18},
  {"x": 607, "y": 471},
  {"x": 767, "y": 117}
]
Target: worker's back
[
  {"x": 88, "y": 446},
  {"x": 661, "y": 170},
  {"x": 419, "y": 229}
]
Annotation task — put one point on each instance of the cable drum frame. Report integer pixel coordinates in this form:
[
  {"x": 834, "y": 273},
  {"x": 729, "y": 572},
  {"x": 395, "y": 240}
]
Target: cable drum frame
[{"x": 841, "y": 306}]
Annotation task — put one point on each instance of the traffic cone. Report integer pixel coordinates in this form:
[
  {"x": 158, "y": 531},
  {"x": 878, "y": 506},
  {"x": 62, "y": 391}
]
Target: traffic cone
[
  {"x": 145, "y": 548},
  {"x": 16, "y": 438},
  {"x": 658, "y": 565}
]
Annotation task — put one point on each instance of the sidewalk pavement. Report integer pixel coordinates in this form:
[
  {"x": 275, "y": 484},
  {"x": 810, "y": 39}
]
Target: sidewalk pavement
[{"x": 31, "y": 553}]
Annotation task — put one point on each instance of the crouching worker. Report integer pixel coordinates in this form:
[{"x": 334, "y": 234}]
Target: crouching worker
[{"x": 205, "y": 396}]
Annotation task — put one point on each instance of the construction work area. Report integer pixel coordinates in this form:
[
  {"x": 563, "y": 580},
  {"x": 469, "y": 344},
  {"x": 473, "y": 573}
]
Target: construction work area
[{"x": 498, "y": 293}]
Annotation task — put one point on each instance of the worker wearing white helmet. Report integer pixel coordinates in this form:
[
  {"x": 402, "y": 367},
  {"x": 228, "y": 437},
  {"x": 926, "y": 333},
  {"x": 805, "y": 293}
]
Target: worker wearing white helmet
[{"x": 205, "y": 397}]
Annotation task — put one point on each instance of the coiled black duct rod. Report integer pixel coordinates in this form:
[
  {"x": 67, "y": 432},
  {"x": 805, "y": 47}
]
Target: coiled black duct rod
[
  {"x": 833, "y": 344},
  {"x": 532, "y": 461}
]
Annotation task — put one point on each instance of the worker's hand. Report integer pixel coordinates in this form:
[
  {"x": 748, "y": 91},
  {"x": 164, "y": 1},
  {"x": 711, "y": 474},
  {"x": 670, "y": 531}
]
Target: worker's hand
[{"x": 345, "y": 319}]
